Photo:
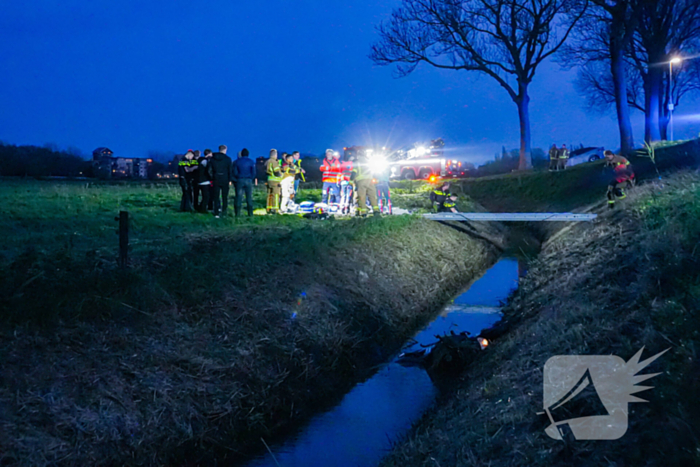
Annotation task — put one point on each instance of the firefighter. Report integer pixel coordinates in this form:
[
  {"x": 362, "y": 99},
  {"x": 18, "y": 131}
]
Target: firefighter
[
  {"x": 623, "y": 174},
  {"x": 438, "y": 196},
  {"x": 302, "y": 172},
  {"x": 563, "y": 157},
  {"x": 185, "y": 174},
  {"x": 450, "y": 204},
  {"x": 553, "y": 158},
  {"x": 332, "y": 172},
  {"x": 289, "y": 173},
  {"x": 365, "y": 188},
  {"x": 274, "y": 177}
]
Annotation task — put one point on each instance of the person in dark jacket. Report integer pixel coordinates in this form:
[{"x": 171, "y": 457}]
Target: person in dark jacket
[
  {"x": 204, "y": 180},
  {"x": 244, "y": 173},
  {"x": 185, "y": 175},
  {"x": 438, "y": 197},
  {"x": 221, "y": 176},
  {"x": 195, "y": 179}
]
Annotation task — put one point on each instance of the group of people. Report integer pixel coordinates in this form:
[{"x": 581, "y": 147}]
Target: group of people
[
  {"x": 345, "y": 184},
  {"x": 205, "y": 181},
  {"x": 558, "y": 157},
  {"x": 282, "y": 180}
]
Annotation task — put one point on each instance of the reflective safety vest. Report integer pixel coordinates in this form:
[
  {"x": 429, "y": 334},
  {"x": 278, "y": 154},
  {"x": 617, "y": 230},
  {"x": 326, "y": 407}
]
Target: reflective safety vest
[
  {"x": 563, "y": 154},
  {"x": 362, "y": 173},
  {"x": 290, "y": 171},
  {"x": 347, "y": 171},
  {"x": 332, "y": 171},
  {"x": 622, "y": 168},
  {"x": 186, "y": 163},
  {"x": 297, "y": 162},
  {"x": 273, "y": 170},
  {"x": 449, "y": 204}
]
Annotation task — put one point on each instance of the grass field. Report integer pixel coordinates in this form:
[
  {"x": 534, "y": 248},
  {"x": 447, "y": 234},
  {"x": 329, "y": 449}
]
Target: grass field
[{"x": 192, "y": 352}]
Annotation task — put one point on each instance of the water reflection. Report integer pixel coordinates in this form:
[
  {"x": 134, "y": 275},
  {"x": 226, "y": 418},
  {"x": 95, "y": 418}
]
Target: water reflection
[{"x": 361, "y": 429}]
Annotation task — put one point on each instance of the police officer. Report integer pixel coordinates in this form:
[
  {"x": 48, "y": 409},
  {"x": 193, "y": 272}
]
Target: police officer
[{"x": 185, "y": 175}]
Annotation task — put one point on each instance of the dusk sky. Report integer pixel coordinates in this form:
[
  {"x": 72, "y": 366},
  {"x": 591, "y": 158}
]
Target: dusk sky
[{"x": 169, "y": 75}]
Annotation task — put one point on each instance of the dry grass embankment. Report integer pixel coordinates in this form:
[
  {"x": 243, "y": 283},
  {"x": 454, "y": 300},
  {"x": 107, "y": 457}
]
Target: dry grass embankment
[
  {"x": 631, "y": 279},
  {"x": 574, "y": 189},
  {"x": 192, "y": 354}
]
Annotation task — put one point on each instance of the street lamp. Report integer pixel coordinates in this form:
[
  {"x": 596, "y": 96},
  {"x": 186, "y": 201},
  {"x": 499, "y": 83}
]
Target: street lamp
[{"x": 675, "y": 60}]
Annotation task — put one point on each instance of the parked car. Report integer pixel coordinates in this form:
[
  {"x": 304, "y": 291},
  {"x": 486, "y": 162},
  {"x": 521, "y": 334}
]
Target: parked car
[{"x": 580, "y": 156}]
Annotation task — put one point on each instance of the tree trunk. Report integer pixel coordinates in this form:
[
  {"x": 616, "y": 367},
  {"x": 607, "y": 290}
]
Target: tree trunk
[
  {"x": 523, "y": 103},
  {"x": 653, "y": 93},
  {"x": 619, "y": 75}
]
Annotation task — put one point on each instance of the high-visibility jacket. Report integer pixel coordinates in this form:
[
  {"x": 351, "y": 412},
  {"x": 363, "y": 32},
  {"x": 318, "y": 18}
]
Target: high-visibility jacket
[
  {"x": 290, "y": 170},
  {"x": 553, "y": 153},
  {"x": 622, "y": 168},
  {"x": 361, "y": 173},
  {"x": 347, "y": 171},
  {"x": 297, "y": 162},
  {"x": 563, "y": 153},
  {"x": 273, "y": 170},
  {"x": 332, "y": 171},
  {"x": 438, "y": 196}
]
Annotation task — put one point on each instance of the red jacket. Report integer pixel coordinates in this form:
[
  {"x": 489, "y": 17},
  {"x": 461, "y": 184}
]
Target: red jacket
[
  {"x": 347, "y": 170},
  {"x": 332, "y": 171}
]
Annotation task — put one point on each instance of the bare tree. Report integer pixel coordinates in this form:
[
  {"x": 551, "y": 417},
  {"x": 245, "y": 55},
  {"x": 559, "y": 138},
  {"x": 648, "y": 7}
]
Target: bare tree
[
  {"x": 603, "y": 35},
  {"x": 666, "y": 27},
  {"x": 594, "y": 82},
  {"x": 495, "y": 37}
]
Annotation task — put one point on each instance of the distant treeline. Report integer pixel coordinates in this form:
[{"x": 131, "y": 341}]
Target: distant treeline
[{"x": 35, "y": 161}]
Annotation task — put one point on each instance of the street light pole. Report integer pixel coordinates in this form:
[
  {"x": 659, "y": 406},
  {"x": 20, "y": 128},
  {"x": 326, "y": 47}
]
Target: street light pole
[{"x": 670, "y": 96}]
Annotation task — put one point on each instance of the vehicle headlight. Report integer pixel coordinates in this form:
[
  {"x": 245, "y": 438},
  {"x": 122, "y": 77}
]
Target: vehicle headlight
[
  {"x": 377, "y": 165},
  {"x": 422, "y": 151}
]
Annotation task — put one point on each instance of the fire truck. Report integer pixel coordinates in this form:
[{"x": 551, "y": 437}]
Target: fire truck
[{"x": 417, "y": 161}]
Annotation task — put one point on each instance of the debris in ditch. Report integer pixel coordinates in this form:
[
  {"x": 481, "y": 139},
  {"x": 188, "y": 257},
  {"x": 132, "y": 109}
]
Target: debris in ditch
[{"x": 451, "y": 354}]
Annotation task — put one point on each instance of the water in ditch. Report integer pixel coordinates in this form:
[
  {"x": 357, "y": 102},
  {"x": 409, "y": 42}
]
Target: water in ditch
[{"x": 360, "y": 430}]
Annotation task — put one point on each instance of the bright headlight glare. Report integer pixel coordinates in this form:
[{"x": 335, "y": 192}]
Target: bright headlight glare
[
  {"x": 422, "y": 151},
  {"x": 377, "y": 165}
]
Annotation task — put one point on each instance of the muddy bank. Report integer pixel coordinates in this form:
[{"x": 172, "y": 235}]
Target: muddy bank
[
  {"x": 629, "y": 280},
  {"x": 228, "y": 340}
]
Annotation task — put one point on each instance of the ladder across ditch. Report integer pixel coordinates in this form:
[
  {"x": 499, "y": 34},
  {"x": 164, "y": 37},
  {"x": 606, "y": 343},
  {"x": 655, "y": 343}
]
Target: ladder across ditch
[{"x": 512, "y": 216}]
